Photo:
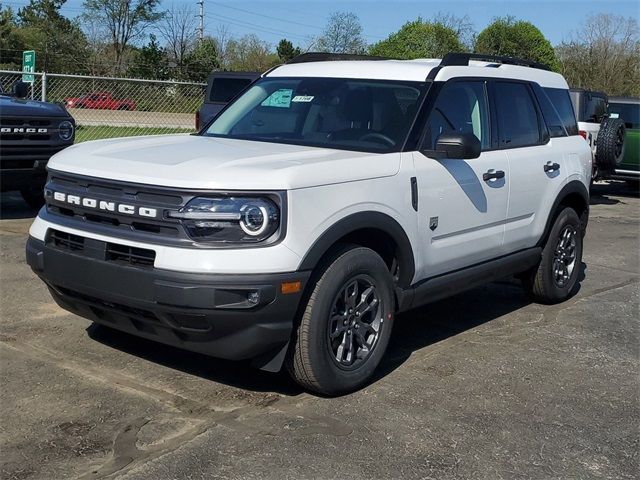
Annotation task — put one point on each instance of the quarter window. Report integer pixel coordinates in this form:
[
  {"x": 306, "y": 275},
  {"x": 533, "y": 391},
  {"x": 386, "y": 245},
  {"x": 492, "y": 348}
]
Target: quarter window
[
  {"x": 518, "y": 121},
  {"x": 562, "y": 102},
  {"x": 460, "y": 107}
]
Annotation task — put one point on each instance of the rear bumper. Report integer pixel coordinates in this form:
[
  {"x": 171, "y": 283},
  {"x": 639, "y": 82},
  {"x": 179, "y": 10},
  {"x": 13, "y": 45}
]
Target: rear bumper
[{"x": 205, "y": 313}]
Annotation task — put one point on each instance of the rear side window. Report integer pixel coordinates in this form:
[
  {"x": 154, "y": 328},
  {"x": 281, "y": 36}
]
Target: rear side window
[
  {"x": 628, "y": 112},
  {"x": 562, "y": 102},
  {"x": 518, "y": 121},
  {"x": 550, "y": 114},
  {"x": 224, "y": 89}
]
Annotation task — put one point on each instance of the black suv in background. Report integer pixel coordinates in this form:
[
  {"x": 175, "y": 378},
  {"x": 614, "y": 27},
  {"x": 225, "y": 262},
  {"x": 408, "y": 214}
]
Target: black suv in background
[{"x": 30, "y": 133}]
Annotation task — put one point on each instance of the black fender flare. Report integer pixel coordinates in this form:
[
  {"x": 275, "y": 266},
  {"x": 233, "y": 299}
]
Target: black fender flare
[
  {"x": 359, "y": 221},
  {"x": 573, "y": 187}
]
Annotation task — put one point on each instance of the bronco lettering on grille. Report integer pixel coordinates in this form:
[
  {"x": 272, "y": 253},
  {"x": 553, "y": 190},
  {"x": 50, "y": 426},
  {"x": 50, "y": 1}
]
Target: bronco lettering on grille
[{"x": 104, "y": 205}]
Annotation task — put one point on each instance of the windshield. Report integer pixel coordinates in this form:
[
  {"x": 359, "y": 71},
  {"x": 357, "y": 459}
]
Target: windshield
[{"x": 366, "y": 115}]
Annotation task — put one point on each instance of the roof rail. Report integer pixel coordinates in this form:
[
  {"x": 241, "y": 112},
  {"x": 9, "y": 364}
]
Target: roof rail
[
  {"x": 331, "y": 57},
  {"x": 462, "y": 59}
]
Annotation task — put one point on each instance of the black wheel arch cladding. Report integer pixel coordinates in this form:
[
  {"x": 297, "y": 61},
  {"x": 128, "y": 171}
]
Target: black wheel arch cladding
[
  {"x": 372, "y": 222},
  {"x": 574, "y": 194}
]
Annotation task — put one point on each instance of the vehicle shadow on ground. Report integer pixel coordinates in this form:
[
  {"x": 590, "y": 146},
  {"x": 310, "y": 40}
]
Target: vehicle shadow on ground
[
  {"x": 413, "y": 331},
  {"x": 601, "y": 192}
]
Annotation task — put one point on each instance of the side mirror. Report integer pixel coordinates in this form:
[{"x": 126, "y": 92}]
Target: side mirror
[
  {"x": 456, "y": 145},
  {"x": 20, "y": 89}
]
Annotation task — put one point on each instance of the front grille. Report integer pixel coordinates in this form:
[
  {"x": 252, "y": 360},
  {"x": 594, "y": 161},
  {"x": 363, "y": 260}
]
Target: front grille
[
  {"x": 109, "y": 252},
  {"x": 24, "y": 122},
  {"x": 161, "y": 229},
  {"x": 130, "y": 255}
]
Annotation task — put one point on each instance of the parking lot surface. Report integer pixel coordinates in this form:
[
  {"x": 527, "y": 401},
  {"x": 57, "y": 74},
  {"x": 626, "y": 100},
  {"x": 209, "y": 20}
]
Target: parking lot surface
[{"x": 482, "y": 385}]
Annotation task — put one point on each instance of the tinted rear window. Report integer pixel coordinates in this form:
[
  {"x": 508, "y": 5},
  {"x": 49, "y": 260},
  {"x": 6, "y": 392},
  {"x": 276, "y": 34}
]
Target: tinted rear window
[
  {"x": 628, "y": 112},
  {"x": 594, "y": 108},
  {"x": 224, "y": 89},
  {"x": 518, "y": 123},
  {"x": 562, "y": 103}
]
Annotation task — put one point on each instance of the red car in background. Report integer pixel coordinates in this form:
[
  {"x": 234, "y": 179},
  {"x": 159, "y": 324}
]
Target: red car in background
[{"x": 100, "y": 100}]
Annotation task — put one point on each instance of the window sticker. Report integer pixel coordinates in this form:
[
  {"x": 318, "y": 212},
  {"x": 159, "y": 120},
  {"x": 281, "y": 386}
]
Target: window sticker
[
  {"x": 280, "y": 98},
  {"x": 302, "y": 98},
  {"x": 611, "y": 115}
]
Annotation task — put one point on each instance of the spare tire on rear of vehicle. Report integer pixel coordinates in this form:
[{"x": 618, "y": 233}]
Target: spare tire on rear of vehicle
[{"x": 610, "y": 144}]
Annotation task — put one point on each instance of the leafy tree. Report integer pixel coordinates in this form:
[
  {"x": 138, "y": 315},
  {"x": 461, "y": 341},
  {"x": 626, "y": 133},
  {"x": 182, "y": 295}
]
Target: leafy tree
[
  {"x": 419, "y": 39},
  {"x": 516, "y": 38},
  {"x": 343, "y": 34},
  {"x": 58, "y": 41},
  {"x": 151, "y": 61},
  {"x": 202, "y": 60},
  {"x": 249, "y": 53},
  {"x": 11, "y": 42},
  {"x": 286, "y": 51},
  {"x": 124, "y": 20},
  {"x": 603, "y": 55}
]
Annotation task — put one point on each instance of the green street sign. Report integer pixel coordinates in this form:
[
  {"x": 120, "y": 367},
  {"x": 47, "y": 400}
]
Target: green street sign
[{"x": 28, "y": 65}]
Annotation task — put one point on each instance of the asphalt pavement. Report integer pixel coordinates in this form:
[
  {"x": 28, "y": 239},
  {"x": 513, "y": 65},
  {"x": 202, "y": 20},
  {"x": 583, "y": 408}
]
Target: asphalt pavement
[{"x": 483, "y": 385}]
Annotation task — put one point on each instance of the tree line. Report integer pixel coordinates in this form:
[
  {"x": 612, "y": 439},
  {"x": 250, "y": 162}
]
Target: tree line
[{"x": 135, "y": 38}]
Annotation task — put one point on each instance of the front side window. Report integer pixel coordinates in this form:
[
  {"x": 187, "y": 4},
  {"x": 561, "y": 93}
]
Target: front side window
[
  {"x": 460, "y": 107},
  {"x": 352, "y": 114},
  {"x": 518, "y": 121}
]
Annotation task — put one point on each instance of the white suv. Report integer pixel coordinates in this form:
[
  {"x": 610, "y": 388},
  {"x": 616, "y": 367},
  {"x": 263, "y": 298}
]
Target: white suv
[{"x": 331, "y": 195}]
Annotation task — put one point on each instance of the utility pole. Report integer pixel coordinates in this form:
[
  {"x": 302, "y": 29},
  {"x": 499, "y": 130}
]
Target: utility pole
[{"x": 201, "y": 15}]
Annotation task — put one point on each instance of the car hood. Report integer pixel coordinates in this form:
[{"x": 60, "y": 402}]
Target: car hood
[
  {"x": 189, "y": 161},
  {"x": 18, "y": 107}
]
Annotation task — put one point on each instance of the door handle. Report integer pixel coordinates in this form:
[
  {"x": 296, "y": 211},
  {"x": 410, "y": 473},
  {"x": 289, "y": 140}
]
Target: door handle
[
  {"x": 551, "y": 167},
  {"x": 492, "y": 175}
]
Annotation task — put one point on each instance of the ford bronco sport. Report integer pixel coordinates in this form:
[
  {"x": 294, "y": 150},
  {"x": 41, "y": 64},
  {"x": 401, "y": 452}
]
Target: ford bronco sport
[
  {"x": 30, "y": 133},
  {"x": 317, "y": 205}
]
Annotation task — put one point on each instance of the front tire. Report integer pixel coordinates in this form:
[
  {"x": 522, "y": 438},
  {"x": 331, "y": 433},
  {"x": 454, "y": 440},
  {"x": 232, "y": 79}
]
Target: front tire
[
  {"x": 554, "y": 279},
  {"x": 346, "y": 325}
]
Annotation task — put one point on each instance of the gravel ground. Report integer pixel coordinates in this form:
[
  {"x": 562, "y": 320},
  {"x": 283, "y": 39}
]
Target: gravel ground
[{"x": 482, "y": 385}]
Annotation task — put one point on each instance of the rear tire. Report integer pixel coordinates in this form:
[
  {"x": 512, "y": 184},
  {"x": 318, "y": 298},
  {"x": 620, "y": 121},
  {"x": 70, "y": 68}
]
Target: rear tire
[
  {"x": 554, "y": 279},
  {"x": 346, "y": 324}
]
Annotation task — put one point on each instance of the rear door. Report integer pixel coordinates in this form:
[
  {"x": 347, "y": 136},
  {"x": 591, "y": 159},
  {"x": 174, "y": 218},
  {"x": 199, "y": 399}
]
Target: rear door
[
  {"x": 535, "y": 160},
  {"x": 462, "y": 204}
]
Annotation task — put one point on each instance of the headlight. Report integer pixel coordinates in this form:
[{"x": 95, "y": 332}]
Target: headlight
[
  {"x": 230, "y": 219},
  {"x": 65, "y": 130}
]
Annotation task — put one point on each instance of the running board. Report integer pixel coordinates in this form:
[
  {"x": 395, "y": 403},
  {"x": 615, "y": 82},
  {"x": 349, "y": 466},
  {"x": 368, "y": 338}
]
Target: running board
[{"x": 448, "y": 284}]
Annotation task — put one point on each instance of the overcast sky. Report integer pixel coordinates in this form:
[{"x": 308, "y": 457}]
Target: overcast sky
[{"x": 301, "y": 20}]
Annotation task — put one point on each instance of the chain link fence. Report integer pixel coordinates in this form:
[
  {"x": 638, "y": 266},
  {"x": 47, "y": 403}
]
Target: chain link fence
[{"x": 106, "y": 107}]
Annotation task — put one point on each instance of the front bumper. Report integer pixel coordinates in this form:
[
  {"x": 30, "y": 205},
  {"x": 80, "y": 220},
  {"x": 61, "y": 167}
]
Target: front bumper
[
  {"x": 205, "y": 313},
  {"x": 19, "y": 178}
]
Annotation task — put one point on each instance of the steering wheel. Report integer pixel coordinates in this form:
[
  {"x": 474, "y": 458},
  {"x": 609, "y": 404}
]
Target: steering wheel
[{"x": 378, "y": 136}]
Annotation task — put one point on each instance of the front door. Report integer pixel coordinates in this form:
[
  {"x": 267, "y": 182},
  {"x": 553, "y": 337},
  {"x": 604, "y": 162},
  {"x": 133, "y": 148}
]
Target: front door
[{"x": 462, "y": 204}]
